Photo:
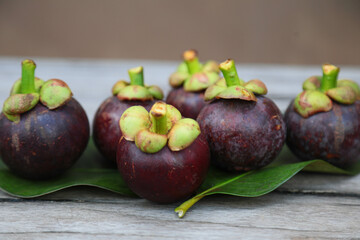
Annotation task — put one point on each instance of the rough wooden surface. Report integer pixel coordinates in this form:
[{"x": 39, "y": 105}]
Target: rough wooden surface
[{"x": 308, "y": 206}]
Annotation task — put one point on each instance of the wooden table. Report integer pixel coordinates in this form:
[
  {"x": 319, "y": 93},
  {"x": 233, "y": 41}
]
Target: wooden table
[{"x": 307, "y": 206}]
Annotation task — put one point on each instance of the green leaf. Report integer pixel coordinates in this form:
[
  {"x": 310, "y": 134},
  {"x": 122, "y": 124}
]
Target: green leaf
[
  {"x": 258, "y": 182},
  {"x": 92, "y": 175},
  {"x": 102, "y": 178}
]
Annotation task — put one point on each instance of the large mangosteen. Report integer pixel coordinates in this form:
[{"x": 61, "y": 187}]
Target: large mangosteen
[
  {"x": 189, "y": 83},
  {"x": 323, "y": 122},
  {"x": 43, "y": 130},
  {"x": 161, "y": 157},
  {"x": 106, "y": 130},
  {"x": 244, "y": 129}
]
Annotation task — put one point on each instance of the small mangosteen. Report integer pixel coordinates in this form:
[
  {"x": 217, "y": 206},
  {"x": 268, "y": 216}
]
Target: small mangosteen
[
  {"x": 189, "y": 83},
  {"x": 244, "y": 131},
  {"x": 323, "y": 122},
  {"x": 106, "y": 130},
  {"x": 41, "y": 140},
  {"x": 161, "y": 157}
]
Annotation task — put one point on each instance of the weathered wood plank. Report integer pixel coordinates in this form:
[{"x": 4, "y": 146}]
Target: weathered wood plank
[{"x": 270, "y": 217}]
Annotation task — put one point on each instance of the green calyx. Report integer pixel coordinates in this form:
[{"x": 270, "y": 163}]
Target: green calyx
[
  {"x": 184, "y": 132},
  {"x": 353, "y": 85},
  {"x": 319, "y": 92},
  {"x": 55, "y": 93},
  {"x": 29, "y": 90},
  {"x": 193, "y": 75},
  {"x": 310, "y": 102},
  {"x": 163, "y": 125},
  {"x": 16, "y": 88},
  {"x": 232, "y": 87},
  {"x": 200, "y": 81},
  {"x": 136, "y": 90},
  {"x": 312, "y": 83},
  {"x": 133, "y": 120},
  {"x": 17, "y": 104}
]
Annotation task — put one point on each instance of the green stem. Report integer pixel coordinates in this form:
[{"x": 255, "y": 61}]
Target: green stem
[
  {"x": 329, "y": 79},
  {"x": 184, "y": 207},
  {"x": 136, "y": 76},
  {"x": 158, "y": 113},
  {"x": 28, "y": 77},
  {"x": 228, "y": 69},
  {"x": 192, "y": 61}
]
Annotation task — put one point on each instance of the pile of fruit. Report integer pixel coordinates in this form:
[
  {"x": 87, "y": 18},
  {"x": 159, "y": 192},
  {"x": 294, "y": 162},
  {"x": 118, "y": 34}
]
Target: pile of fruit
[{"x": 163, "y": 149}]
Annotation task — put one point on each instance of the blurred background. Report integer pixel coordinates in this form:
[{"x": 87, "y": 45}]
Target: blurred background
[{"x": 256, "y": 31}]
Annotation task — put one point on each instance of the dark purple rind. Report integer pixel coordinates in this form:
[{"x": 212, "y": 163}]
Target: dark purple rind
[
  {"x": 333, "y": 136},
  {"x": 165, "y": 176},
  {"x": 106, "y": 129},
  {"x": 243, "y": 135},
  {"x": 188, "y": 103},
  {"x": 45, "y": 143}
]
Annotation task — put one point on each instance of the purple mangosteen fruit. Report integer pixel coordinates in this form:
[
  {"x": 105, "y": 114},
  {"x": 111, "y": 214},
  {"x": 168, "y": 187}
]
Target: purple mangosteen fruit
[
  {"x": 323, "y": 121},
  {"x": 161, "y": 157},
  {"x": 43, "y": 129},
  {"x": 244, "y": 129},
  {"x": 106, "y": 130},
  {"x": 189, "y": 83}
]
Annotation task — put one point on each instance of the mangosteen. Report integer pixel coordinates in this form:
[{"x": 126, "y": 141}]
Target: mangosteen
[
  {"x": 161, "y": 157},
  {"x": 106, "y": 130},
  {"x": 323, "y": 121},
  {"x": 40, "y": 140},
  {"x": 244, "y": 129},
  {"x": 189, "y": 83}
]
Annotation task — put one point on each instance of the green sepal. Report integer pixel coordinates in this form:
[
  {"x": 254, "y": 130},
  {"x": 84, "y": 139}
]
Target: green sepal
[
  {"x": 150, "y": 142},
  {"x": 54, "y": 93},
  {"x": 237, "y": 92},
  {"x": 221, "y": 82},
  {"x": 134, "y": 92},
  {"x": 212, "y": 91},
  {"x": 183, "y": 134},
  {"x": 177, "y": 79},
  {"x": 312, "y": 83},
  {"x": 256, "y": 86},
  {"x": 310, "y": 102},
  {"x": 13, "y": 117},
  {"x": 352, "y": 84},
  {"x": 200, "y": 81},
  {"x": 236, "y": 88},
  {"x": 182, "y": 68},
  {"x": 172, "y": 115},
  {"x": 344, "y": 95},
  {"x": 151, "y": 130},
  {"x": 118, "y": 86},
  {"x": 156, "y": 92},
  {"x": 16, "y": 88},
  {"x": 20, "y": 103},
  {"x": 133, "y": 120},
  {"x": 194, "y": 75},
  {"x": 211, "y": 66}
]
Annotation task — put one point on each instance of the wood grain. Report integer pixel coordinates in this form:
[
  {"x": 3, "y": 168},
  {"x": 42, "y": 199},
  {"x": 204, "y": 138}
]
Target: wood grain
[{"x": 272, "y": 216}]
